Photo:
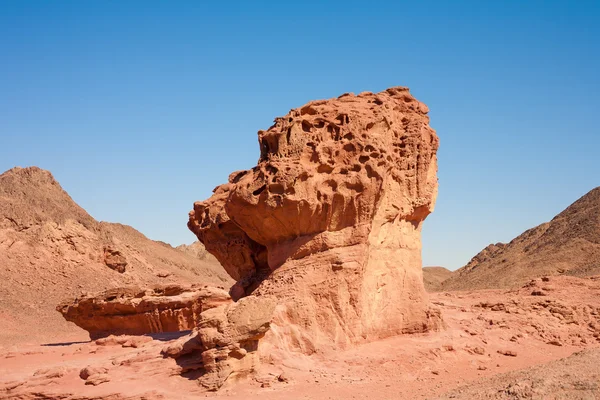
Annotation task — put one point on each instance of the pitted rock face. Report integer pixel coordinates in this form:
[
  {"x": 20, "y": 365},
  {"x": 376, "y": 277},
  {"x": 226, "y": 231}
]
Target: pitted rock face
[{"x": 335, "y": 204}]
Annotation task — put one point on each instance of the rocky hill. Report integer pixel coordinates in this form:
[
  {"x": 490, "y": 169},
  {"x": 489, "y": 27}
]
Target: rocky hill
[
  {"x": 52, "y": 249},
  {"x": 197, "y": 250},
  {"x": 569, "y": 245},
  {"x": 434, "y": 276}
]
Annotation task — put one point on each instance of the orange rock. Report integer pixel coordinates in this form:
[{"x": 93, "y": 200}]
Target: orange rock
[
  {"x": 225, "y": 343},
  {"x": 131, "y": 311},
  {"x": 329, "y": 221}
]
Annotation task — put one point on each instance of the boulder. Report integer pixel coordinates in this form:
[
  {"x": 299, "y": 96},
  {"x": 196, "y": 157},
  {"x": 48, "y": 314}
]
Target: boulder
[
  {"x": 114, "y": 259},
  {"x": 329, "y": 221}
]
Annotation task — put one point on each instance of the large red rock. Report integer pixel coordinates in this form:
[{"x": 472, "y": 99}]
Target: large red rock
[{"x": 329, "y": 221}]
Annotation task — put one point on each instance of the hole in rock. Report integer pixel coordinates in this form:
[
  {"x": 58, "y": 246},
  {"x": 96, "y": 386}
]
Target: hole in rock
[
  {"x": 307, "y": 110},
  {"x": 342, "y": 118},
  {"x": 239, "y": 176},
  {"x": 363, "y": 159},
  {"x": 276, "y": 188},
  {"x": 259, "y": 190},
  {"x": 332, "y": 184},
  {"x": 306, "y": 126},
  {"x": 371, "y": 173},
  {"x": 324, "y": 169},
  {"x": 357, "y": 187},
  {"x": 349, "y": 147}
]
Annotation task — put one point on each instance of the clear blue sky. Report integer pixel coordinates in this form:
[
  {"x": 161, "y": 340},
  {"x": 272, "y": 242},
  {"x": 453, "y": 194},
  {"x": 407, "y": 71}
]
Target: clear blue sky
[{"x": 139, "y": 108}]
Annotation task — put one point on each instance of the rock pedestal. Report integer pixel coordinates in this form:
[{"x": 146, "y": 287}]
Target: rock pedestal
[{"x": 329, "y": 221}]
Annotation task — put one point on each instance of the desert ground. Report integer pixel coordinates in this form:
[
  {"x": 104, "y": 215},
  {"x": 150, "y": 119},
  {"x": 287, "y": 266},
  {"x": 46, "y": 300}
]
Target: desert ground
[{"x": 497, "y": 344}]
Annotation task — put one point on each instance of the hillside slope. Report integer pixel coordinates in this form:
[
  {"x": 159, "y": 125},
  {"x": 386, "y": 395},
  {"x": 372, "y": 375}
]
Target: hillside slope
[
  {"x": 569, "y": 244},
  {"x": 434, "y": 276},
  {"x": 52, "y": 249}
]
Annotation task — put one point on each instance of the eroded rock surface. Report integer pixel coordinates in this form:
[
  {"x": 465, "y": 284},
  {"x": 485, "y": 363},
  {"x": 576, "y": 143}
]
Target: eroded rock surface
[
  {"x": 225, "y": 343},
  {"x": 329, "y": 220},
  {"x": 131, "y": 311}
]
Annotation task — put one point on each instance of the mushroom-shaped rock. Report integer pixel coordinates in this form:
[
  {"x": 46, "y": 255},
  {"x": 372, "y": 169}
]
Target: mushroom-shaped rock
[{"x": 329, "y": 221}]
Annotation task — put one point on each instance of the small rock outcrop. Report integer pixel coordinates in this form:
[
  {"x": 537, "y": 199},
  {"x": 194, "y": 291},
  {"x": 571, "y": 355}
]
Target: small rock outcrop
[
  {"x": 329, "y": 221},
  {"x": 114, "y": 259},
  {"x": 130, "y": 311}
]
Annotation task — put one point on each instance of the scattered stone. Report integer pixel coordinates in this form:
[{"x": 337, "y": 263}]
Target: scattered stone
[
  {"x": 88, "y": 371},
  {"x": 114, "y": 259},
  {"x": 509, "y": 353},
  {"x": 163, "y": 274},
  {"x": 97, "y": 379}
]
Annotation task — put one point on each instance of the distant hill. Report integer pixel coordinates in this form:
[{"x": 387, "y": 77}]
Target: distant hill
[
  {"x": 198, "y": 250},
  {"x": 51, "y": 249},
  {"x": 434, "y": 276},
  {"x": 569, "y": 244}
]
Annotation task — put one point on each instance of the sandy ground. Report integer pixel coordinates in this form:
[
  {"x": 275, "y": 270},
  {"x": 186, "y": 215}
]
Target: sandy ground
[{"x": 487, "y": 333}]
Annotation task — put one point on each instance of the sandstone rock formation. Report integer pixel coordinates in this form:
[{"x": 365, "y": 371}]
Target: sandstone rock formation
[
  {"x": 225, "y": 343},
  {"x": 224, "y": 340},
  {"x": 329, "y": 220},
  {"x": 569, "y": 244},
  {"x": 130, "y": 311}
]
